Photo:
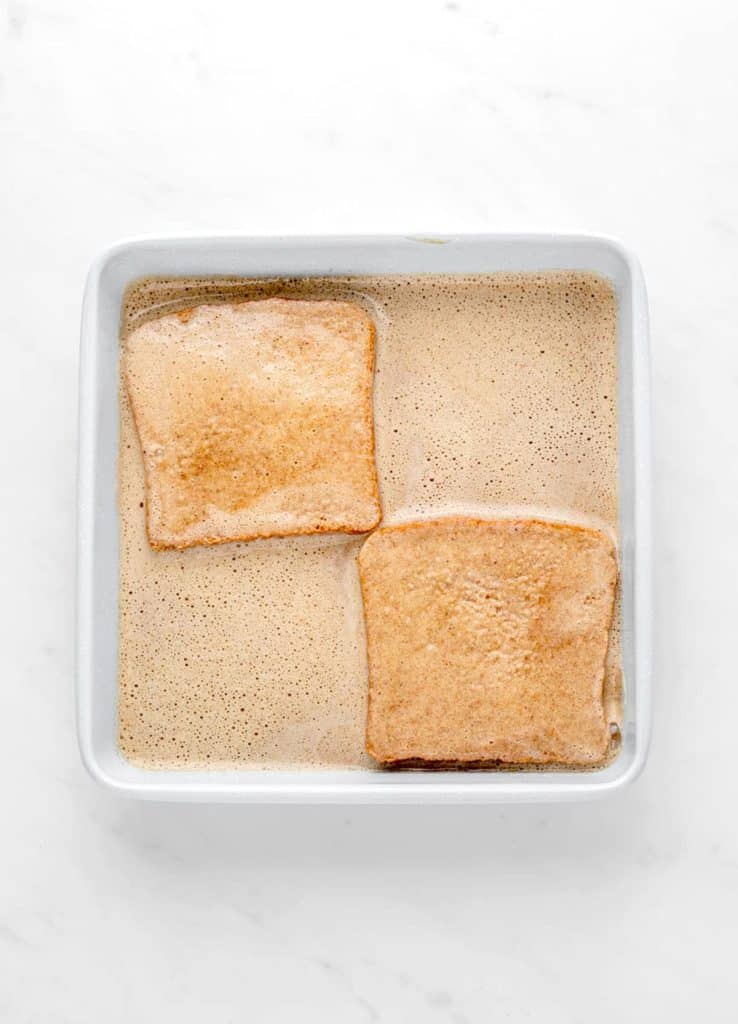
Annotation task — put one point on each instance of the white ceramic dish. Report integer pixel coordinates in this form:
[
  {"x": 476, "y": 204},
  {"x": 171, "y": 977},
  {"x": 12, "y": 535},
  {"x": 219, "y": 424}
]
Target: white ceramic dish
[{"x": 97, "y": 626}]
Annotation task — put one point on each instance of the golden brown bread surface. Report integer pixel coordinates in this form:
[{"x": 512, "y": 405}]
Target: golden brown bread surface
[
  {"x": 487, "y": 641},
  {"x": 255, "y": 420}
]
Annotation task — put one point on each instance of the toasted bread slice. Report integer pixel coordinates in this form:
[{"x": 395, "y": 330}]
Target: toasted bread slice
[
  {"x": 255, "y": 420},
  {"x": 487, "y": 642}
]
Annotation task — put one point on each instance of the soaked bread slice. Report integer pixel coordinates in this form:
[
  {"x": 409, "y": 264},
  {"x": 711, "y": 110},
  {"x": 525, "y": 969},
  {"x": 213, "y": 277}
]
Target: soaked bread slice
[
  {"x": 255, "y": 420},
  {"x": 487, "y": 642}
]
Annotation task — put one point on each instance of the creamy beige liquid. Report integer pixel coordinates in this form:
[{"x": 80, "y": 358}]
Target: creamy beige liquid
[{"x": 494, "y": 393}]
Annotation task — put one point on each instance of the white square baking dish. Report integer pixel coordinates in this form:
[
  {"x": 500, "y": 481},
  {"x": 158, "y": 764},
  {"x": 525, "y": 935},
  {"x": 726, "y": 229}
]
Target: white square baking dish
[{"x": 97, "y": 622}]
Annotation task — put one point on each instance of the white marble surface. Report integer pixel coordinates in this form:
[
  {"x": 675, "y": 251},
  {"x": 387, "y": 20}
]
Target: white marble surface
[{"x": 326, "y": 117}]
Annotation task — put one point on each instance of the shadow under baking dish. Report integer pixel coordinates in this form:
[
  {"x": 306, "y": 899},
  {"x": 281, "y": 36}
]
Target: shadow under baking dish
[{"x": 99, "y": 568}]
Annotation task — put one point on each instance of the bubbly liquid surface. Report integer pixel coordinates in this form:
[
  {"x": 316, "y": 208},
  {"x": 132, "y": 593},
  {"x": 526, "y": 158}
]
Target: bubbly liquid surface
[{"x": 492, "y": 394}]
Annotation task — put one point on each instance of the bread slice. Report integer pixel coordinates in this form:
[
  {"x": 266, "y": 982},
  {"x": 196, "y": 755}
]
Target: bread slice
[
  {"x": 255, "y": 420},
  {"x": 487, "y": 642}
]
